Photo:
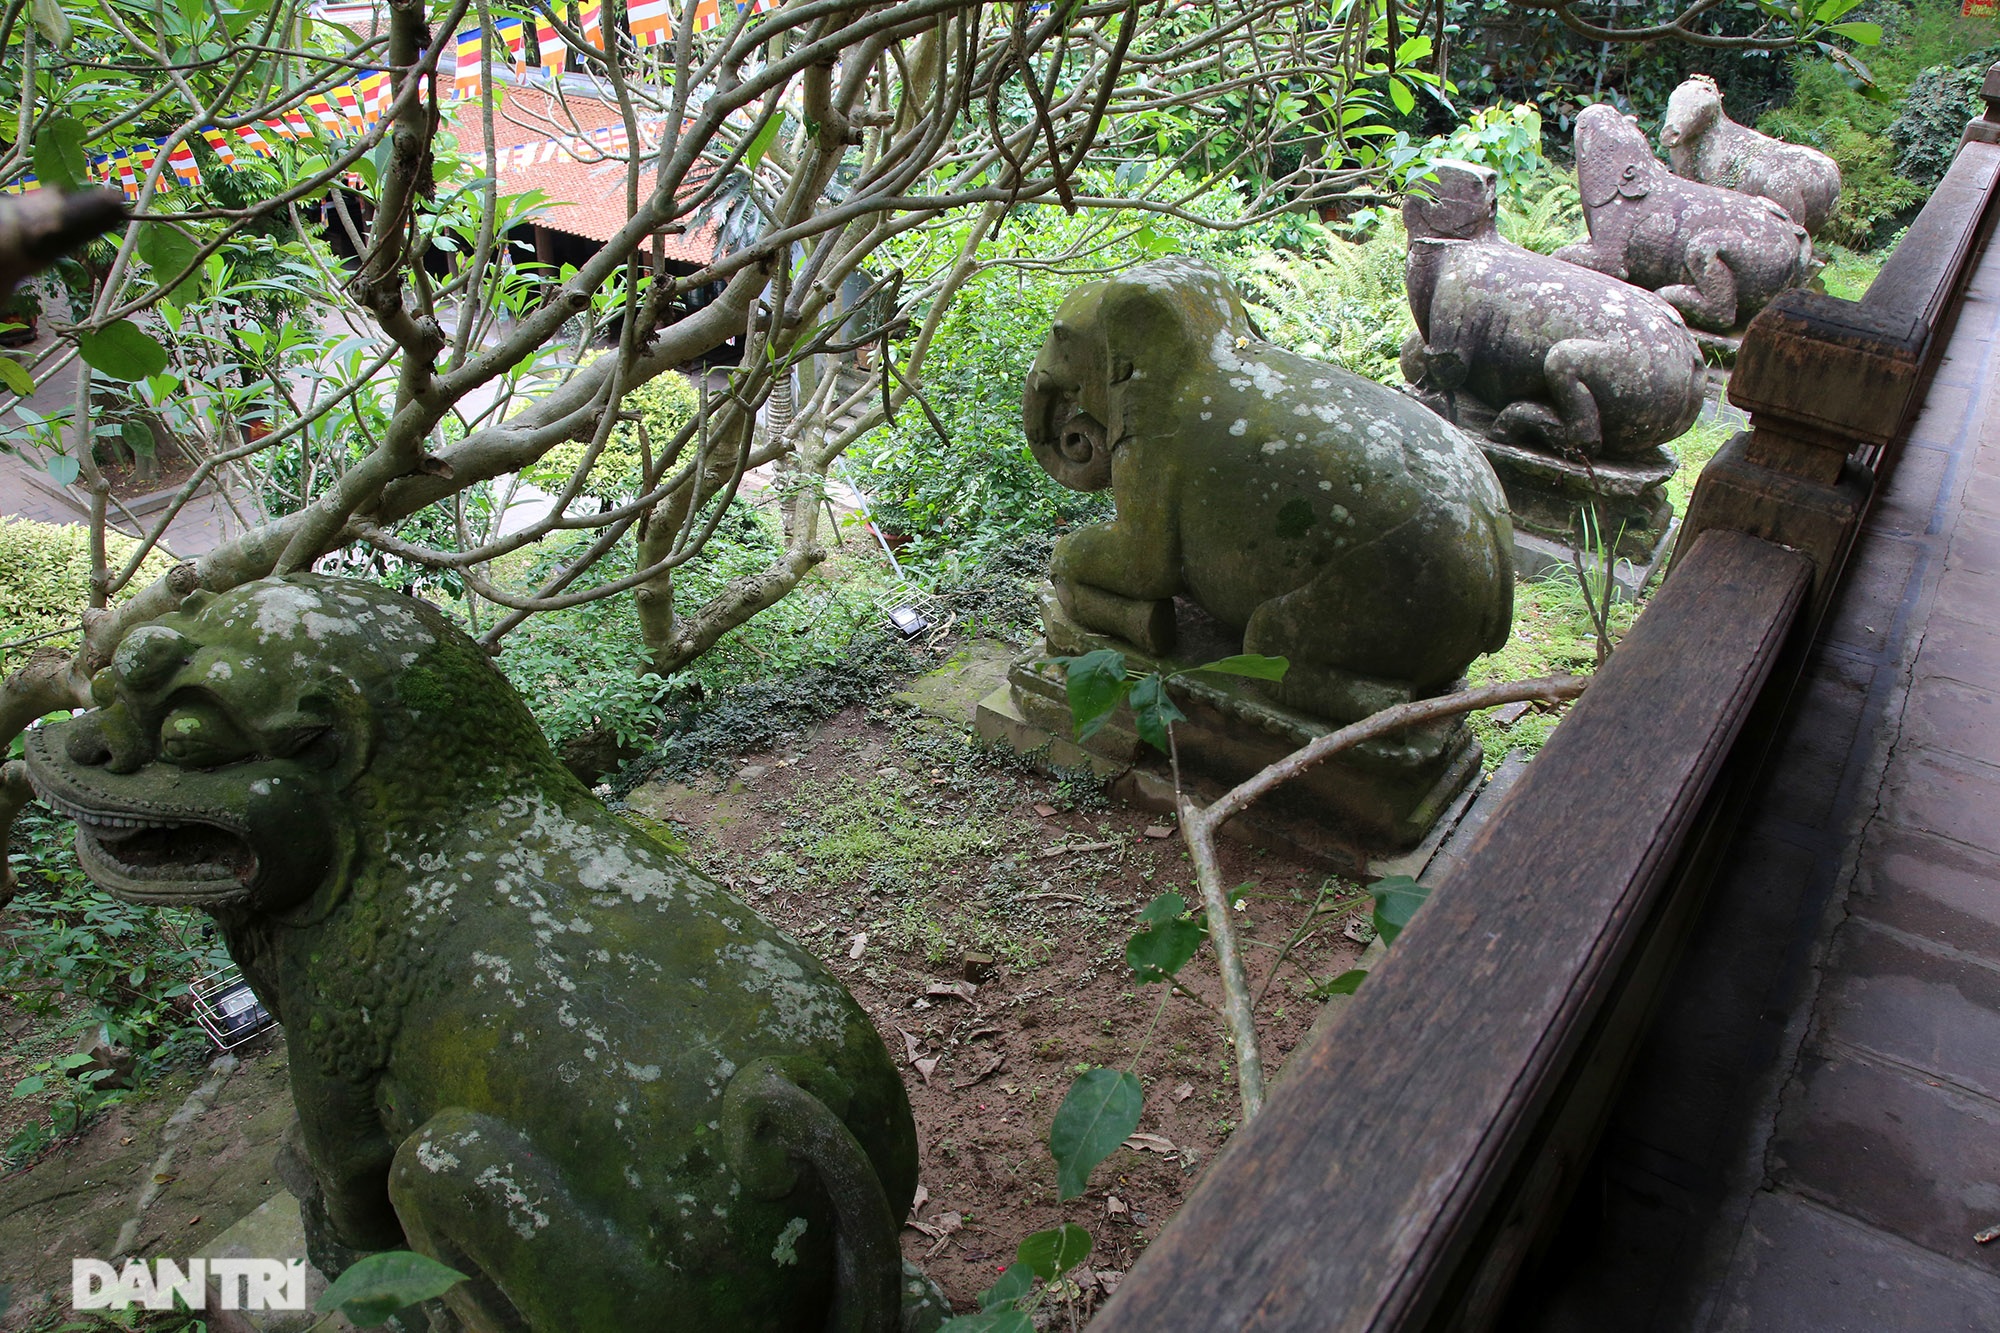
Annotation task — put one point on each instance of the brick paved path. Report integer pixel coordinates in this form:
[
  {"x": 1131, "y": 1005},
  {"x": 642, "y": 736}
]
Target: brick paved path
[{"x": 1811, "y": 1137}]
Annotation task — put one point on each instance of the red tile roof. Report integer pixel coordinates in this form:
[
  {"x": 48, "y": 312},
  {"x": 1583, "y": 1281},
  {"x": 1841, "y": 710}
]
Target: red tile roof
[{"x": 544, "y": 144}]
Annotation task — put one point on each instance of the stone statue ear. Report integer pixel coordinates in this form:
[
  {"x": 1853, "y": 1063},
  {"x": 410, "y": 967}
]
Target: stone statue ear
[
  {"x": 1146, "y": 332},
  {"x": 1607, "y": 173}
]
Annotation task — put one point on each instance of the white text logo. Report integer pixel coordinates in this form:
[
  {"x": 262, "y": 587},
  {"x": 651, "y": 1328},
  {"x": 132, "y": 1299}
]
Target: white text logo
[{"x": 240, "y": 1284}]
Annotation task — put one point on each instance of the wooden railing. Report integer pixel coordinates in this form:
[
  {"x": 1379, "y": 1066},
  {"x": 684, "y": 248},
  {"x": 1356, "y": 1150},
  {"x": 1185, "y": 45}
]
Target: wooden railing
[{"x": 1418, "y": 1148}]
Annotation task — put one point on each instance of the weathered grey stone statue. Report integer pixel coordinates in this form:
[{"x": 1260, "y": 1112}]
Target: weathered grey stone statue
[
  {"x": 525, "y": 1039},
  {"x": 1705, "y": 145},
  {"x": 1564, "y": 358},
  {"x": 1332, "y": 521},
  {"x": 1717, "y": 256},
  {"x": 1271, "y": 504}
]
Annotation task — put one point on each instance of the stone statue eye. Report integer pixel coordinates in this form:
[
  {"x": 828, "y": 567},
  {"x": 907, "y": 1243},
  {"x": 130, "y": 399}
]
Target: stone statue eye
[{"x": 199, "y": 735}]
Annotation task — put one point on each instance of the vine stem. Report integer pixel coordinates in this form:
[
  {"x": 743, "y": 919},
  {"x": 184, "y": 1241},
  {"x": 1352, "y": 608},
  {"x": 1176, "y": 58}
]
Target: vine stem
[{"x": 1199, "y": 825}]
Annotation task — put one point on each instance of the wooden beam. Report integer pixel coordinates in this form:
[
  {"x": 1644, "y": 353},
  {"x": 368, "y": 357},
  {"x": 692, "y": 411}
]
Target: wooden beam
[{"x": 1353, "y": 1201}]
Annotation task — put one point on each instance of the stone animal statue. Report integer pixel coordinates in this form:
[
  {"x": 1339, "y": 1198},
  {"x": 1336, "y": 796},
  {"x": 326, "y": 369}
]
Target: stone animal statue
[
  {"x": 1715, "y": 255},
  {"x": 1333, "y": 521},
  {"x": 1705, "y": 145},
  {"x": 525, "y": 1039},
  {"x": 1571, "y": 360}
]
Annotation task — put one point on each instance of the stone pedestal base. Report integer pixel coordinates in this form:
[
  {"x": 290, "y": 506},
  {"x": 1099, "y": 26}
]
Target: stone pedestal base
[
  {"x": 1349, "y": 813},
  {"x": 1548, "y": 495}
]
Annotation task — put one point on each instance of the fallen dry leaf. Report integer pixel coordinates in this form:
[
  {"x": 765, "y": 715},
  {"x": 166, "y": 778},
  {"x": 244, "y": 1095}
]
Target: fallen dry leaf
[
  {"x": 860, "y": 944},
  {"x": 926, "y": 1067},
  {"x": 1152, "y": 1143},
  {"x": 957, "y": 990},
  {"x": 1183, "y": 1092},
  {"x": 1158, "y": 831},
  {"x": 914, "y": 1047},
  {"x": 992, "y": 1068},
  {"x": 1045, "y": 810},
  {"x": 1115, "y": 1206}
]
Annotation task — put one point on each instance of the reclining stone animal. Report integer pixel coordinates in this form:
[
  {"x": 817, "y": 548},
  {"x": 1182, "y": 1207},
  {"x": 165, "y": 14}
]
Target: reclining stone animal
[
  {"x": 1331, "y": 520},
  {"x": 1705, "y": 145},
  {"x": 1570, "y": 360},
  {"x": 525, "y": 1039},
  {"x": 1715, "y": 255}
]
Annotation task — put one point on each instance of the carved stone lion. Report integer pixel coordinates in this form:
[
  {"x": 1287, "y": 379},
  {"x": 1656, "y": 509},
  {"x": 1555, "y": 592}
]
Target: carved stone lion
[
  {"x": 1705, "y": 145},
  {"x": 525, "y": 1039},
  {"x": 1329, "y": 519},
  {"x": 1715, "y": 255},
  {"x": 1569, "y": 360}
]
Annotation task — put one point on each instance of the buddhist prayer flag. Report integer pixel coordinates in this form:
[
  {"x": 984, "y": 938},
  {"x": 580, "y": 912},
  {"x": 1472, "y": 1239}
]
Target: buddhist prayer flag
[
  {"x": 592, "y": 23},
  {"x": 513, "y": 35},
  {"x": 220, "y": 144},
  {"x": 651, "y": 21},
  {"x": 21, "y": 186},
  {"x": 471, "y": 46},
  {"x": 553, "y": 49},
  {"x": 375, "y": 95},
  {"x": 181, "y": 160},
  {"x": 349, "y": 103},
  {"x": 255, "y": 142},
  {"x": 328, "y": 117}
]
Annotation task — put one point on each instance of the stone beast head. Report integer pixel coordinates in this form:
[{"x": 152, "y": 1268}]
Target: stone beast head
[
  {"x": 1117, "y": 349},
  {"x": 1694, "y": 109},
  {"x": 238, "y": 743},
  {"x": 1458, "y": 201},
  {"x": 1612, "y": 157}
]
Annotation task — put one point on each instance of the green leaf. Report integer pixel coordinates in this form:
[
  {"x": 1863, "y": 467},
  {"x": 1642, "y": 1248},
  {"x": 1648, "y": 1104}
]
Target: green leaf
[
  {"x": 138, "y": 437},
  {"x": 16, "y": 377},
  {"x": 1414, "y": 49},
  {"x": 1346, "y": 983},
  {"x": 53, "y": 24},
  {"x": 124, "y": 351},
  {"x": 1867, "y": 34},
  {"x": 31, "y": 1085},
  {"x": 762, "y": 143},
  {"x": 1158, "y": 952},
  {"x": 63, "y": 468},
  {"x": 1054, "y": 1252},
  {"x": 1015, "y": 1283},
  {"x": 1397, "y": 898},
  {"x": 1830, "y": 10},
  {"x": 1100, "y": 1110},
  {"x": 996, "y": 1321},
  {"x": 1253, "y": 665},
  {"x": 1154, "y": 710},
  {"x": 1167, "y": 907},
  {"x": 1400, "y": 94},
  {"x": 1096, "y": 684},
  {"x": 384, "y": 1283},
  {"x": 166, "y": 250},
  {"x": 60, "y": 161}
]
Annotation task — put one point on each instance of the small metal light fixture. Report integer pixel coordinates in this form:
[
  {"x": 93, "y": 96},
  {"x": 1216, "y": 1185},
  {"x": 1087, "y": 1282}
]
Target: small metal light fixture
[
  {"x": 909, "y": 622},
  {"x": 227, "y": 1008}
]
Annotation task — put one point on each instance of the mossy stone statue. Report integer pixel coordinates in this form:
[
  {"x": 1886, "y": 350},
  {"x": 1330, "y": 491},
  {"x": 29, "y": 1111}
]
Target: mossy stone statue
[
  {"x": 1715, "y": 255},
  {"x": 1705, "y": 145},
  {"x": 1563, "y": 358},
  {"x": 525, "y": 1039},
  {"x": 1327, "y": 519}
]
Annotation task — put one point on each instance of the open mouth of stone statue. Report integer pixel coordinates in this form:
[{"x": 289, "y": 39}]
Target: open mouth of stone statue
[{"x": 146, "y": 858}]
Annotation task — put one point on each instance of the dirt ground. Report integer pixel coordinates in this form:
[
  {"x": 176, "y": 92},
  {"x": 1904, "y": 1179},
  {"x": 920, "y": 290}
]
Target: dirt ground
[
  {"x": 900, "y": 856},
  {"x": 977, "y": 909}
]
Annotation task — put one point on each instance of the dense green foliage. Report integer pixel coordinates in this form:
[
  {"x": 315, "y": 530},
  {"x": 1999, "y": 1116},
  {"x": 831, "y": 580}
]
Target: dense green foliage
[
  {"x": 45, "y": 583},
  {"x": 1859, "y": 132}
]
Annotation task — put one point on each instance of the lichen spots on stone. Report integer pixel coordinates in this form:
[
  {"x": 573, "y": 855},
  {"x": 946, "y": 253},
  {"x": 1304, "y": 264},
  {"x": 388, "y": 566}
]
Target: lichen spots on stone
[{"x": 786, "y": 1250}]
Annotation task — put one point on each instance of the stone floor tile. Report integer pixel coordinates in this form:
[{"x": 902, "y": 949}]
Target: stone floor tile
[
  {"x": 1943, "y": 794},
  {"x": 1894, "y": 1148},
  {"x": 1960, "y": 649},
  {"x": 1982, "y": 493},
  {"x": 1973, "y": 596},
  {"x": 1957, "y": 718},
  {"x": 1928, "y": 1006},
  {"x": 1871, "y": 596},
  {"x": 1819, "y": 740},
  {"x": 1802, "y": 1267},
  {"x": 1930, "y": 888},
  {"x": 1910, "y": 505},
  {"x": 1975, "y": 544},
  {"x": 1944, "y": 416}
]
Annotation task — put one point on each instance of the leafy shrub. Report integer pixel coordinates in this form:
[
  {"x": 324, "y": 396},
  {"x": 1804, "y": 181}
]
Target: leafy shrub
[
  {"x": 45, "y": 581},
  {"x": 664, "y": 404},
  {"x": 1343, "y": 302},
  {"x": 1941, "y": 100}
]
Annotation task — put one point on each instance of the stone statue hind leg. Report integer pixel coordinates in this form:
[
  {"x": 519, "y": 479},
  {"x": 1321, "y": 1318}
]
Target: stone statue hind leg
[
  {"x": 1570, "y": 423},
  {"x": 473, "y": 1192},
  {"x": 1709, "y": 301}
]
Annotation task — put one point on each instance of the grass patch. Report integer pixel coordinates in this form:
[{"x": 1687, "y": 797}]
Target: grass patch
[
  {"x": 1848, "y": 273},
  {"x": 1694, "y": 449}
]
